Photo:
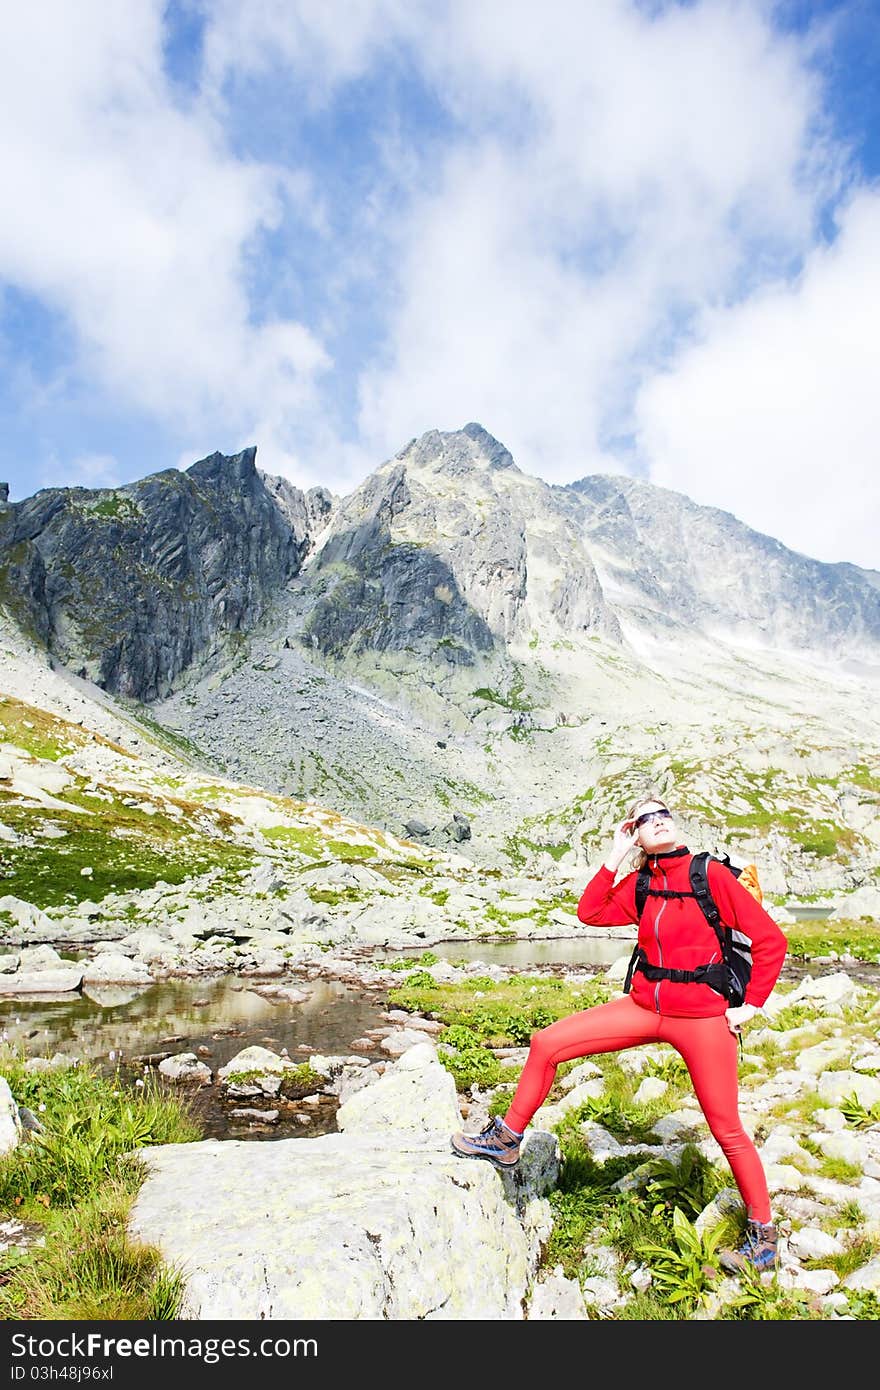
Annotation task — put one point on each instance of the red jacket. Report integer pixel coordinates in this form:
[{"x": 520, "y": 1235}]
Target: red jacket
[{"x": 674, "y": 934}]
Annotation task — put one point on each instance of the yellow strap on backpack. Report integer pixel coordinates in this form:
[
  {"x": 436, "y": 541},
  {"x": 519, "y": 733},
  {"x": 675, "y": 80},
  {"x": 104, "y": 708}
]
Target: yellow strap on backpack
[{"x": 749, "y": 880}]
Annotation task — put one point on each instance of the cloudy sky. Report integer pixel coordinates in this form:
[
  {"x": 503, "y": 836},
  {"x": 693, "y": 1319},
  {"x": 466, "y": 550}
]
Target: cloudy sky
[{"x": 626, "y": 236}]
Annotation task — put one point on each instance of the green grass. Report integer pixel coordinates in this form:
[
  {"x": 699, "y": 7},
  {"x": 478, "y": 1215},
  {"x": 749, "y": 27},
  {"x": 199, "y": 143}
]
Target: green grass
[
  {"x": 88, "y": 1269},
  {"x": 114, "y": 506},
  {"x": 512, "y": 699},
  {"x": 860, "y": 939},
  {"x": 346, "y": 850},
  {"x": 500, "y": 1014},
  {"x": 296, "y": 1081},
  {"x": 172, "y": 740},
  {"x": 126, "y": 847},
  {"x": 300, "y": 838},
  {"x": 73, "y": 1185},
  {"x": 37, "y": 732}
]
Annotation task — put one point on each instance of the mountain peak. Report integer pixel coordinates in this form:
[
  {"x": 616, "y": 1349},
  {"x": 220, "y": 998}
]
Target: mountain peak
[
  {"x": 217, "y": 466},
  {"x": 457, "y": 451},
  {"x": 495, "y": 452}
]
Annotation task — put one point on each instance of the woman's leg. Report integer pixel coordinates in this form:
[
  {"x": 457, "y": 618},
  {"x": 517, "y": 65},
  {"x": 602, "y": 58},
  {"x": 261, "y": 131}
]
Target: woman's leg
[
  {"x": 604, "y": 1028},
  {"x": 709, "y": 1050}
]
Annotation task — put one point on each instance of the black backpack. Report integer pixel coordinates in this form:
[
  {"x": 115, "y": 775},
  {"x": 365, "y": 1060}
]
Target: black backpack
[{"x": 729, "y": 976}]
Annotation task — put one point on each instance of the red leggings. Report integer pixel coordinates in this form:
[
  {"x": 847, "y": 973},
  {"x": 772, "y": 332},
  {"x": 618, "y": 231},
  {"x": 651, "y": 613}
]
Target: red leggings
[{"x": 709, "y": 1051}]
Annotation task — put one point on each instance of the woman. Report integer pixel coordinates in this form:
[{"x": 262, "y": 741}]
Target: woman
[{"x": 692, "y": 1016}]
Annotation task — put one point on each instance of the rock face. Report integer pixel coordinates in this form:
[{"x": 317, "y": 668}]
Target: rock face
[
  {"x": 10, "y": 1120},
  {"x": 449, "y": 542},
  {"x": 129, "y": 586},
  {"x": 457, "y": 638},
  {"x": 379, "y": 592},
  {"x": 663, "y": 557},
  {"x": 449, "y": 549},
  {"x": 446, "y": 552},
  {"x": 379, "y": 1221}
]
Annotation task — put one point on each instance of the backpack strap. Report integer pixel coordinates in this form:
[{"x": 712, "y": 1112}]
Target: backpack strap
[
  {"x": 720, "y": 977},
  {"x": 699, "y": 881},
  {"x": 725, "y": 860},
  {"x": 699, "y": 875},
  {"x": 643, "y": 881},
  {"x": 714, "y": 975},
  {"x": 635, "y": 961}
]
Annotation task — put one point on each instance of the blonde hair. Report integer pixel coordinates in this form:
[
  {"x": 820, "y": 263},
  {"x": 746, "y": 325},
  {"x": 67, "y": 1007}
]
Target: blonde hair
[{"x": 638, "y": 857}]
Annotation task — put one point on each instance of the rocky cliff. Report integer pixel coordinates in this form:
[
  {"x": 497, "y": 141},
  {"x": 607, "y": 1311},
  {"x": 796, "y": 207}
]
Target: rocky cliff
[
  {"x": 130, "y": 586},
  {"x": 446, "y": 552},
  {"x": 664, "y": 559}
]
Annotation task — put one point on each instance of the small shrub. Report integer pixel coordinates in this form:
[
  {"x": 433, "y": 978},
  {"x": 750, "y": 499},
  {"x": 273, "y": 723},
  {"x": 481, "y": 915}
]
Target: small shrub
[{"x": 684, "y": 1270}]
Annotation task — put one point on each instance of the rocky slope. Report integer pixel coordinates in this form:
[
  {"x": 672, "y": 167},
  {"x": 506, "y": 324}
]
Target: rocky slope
[
  {"x": 619, "y": 636},
  {"x": 470, "y": 657},
  {"x": 112, "y": 834}
]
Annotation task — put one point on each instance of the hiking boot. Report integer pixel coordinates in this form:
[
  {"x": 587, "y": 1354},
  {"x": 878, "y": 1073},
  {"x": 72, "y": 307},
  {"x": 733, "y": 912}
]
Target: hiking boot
[
  {"x": 495, "y": 1142},
  {"x": 757, "y": 1250}
]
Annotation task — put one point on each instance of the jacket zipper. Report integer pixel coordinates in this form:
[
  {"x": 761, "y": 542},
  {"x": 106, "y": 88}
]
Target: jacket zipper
[{"x": 663, "y": 902}]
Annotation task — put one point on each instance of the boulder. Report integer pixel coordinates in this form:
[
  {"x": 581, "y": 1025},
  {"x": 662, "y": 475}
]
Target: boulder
[
  {"x": 11, "y": 1127},
  {"x": 62, "y": 981},
  {"x": 379, "y": 1221},
  {"x": 111, "y": 967}
]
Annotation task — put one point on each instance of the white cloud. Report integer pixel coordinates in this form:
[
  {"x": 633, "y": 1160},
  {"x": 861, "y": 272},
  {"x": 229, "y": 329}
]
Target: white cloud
[
  {"x": 132, "y": 219},
  {"x": 774, "y": 414},
  {"x": 659, "y": 165},
  {"x": 316, "y": 40},
  {"x": 611, "y": 182}
]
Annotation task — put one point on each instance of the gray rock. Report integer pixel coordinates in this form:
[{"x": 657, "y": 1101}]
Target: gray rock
[
  {"x": 557, "y": 1298},
  {"x": 61, "y": 981},
  {"x": 30, "y": 1121},
  {"x": 186, "y": 1068},
  {"x": 416, "y": 827},
  {"x": 129, "y": 585},
  {"x": 11, "y": 1127},
  {"x": 379, "y": 1221},
  {"x": 110, "y": 967}
]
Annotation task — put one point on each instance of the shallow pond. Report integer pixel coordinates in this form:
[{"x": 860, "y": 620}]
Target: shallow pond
[
  {"x": 576, "y": 951},
  {"x": 223, "y": 1015},
  {"x": 131, "y": 1030},
  {"x": 228, "y": 1013}
]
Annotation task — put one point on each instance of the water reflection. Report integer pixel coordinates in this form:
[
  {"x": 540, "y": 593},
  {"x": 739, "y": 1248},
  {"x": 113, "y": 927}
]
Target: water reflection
[
  {"x": 576, "y": 951},
  {"x": 222, "y": 1015},
  {"x": 108, "y": 1022}
]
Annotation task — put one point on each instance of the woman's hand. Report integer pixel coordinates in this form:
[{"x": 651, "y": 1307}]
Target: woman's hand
[
  {"x": 737, "y": 1017},
  {"x": 625, "y": 837}
]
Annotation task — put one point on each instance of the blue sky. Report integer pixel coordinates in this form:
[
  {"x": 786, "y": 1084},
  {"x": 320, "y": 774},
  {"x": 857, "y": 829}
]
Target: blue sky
[{"x": 625, "y": 237}]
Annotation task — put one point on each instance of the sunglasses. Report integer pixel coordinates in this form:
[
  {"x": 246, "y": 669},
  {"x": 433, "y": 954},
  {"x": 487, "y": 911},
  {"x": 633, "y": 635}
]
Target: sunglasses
[{"x": 651, "y": 815}]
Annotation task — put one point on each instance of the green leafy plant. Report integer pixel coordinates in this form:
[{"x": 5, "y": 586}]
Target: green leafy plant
[
  {"x": 465, "y": 1056},
  {"x": 613, "y": 1112},
  {"x": 760, "y": 1300},
  {"x": 864, "y": 1306},
  {"x": 690, "y": 1183},
  {"x": 505, "y": 1024},
  {"x": 684, "y": 1271},
  {"x": 858, "y": 1115}
]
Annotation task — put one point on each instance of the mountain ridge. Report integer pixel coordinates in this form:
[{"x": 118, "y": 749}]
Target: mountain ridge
[{"x": 455, "y": 635}]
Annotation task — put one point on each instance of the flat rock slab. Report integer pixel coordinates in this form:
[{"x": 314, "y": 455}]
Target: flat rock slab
[
  {"x": 62, "y": 981},
  {"x": 338, "y": 1227}
]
